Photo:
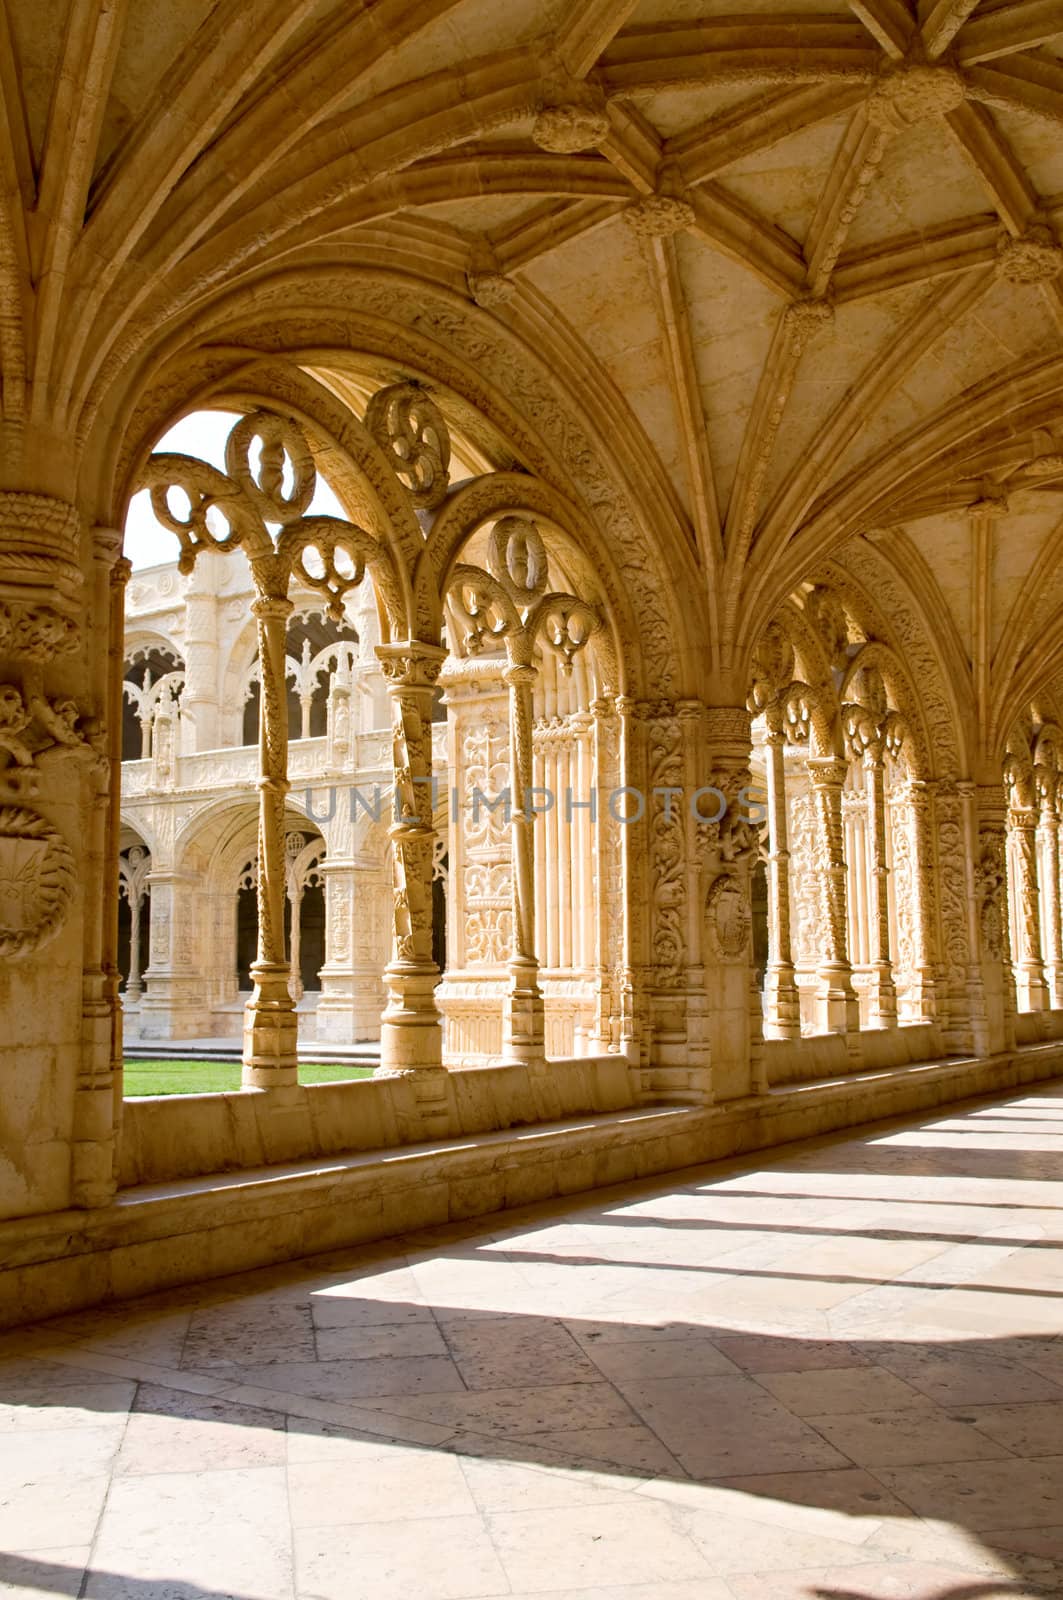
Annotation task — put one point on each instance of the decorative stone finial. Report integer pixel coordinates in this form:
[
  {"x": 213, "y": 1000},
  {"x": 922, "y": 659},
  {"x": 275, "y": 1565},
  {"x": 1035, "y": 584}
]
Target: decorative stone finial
[
  {"x": 805, "y": 318},
  {"x": 657, "y": 216},
  {"x": 914, "y": 93},
  {"x": 1035, "y": 257},
  {"x": 565, "y": 129},
  {"x": 490, "y": 289}
]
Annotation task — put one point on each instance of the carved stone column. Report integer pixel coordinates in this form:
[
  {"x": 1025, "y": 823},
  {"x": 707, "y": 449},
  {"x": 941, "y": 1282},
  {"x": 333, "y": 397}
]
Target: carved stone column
[
  {"x": 922, "y": 997},
  {"x": 729, "y": 848},
  {"x": 524, "y": 1022},
  {"x": 199, "y": 698},
  {"x": 837, "y": 1004},
  {"x": 609, "y": 947},
  {"x": 991, "y": 894},
  {"x": 1047, "y": 780},
  {"x": 358, "y": 920},
  {"x": 782, "y": 1004},
  {"x": 882, "y": 992},
  {"x": 270, "y": 1056},
  {"x": 411, "y": 1036},
  {"x": 1031, "y": 988}
]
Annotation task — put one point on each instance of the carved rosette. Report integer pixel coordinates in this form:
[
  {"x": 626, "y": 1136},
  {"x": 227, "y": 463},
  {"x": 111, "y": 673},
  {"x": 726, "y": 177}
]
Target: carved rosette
[
  {"x": 658, "y": 216},
  {"x": 914, "y": 92},
  {"x": 1035, "y": 257},
  {"x": 572, "y": 117},
  {"x": 37, "y": 881}
]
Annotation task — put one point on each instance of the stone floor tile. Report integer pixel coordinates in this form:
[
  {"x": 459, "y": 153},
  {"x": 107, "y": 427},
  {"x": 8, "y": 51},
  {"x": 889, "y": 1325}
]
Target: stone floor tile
[
  {"x": 964, "y": 1375},
  {"x": 846, "y": 1504},
  {"x": 346, "y": 1448},
  {"x": 401, "y": 1483},
  {"x": 587, "y": 1545},
  {"x": 1025, "y": 1430},
  {"x": 434, "y": 1558},
  {"x": 731, "y": 1544},
  {"x": 87, "y": 1404},
  {"x": 525, "y": 1352},
  {"x": 374, "y": 1377},
  {"x": 636, "y": 1448},
  {"x": 901, "y": 1580},
  {"x": 361, "y": 1341},
  {"x": 757, "y": 1353},
  {"x": 505, "y": 1486},
  {"x": 194, "y": 1533},
  {"x": 173, "y": 1432},
  {"x": 332, "y": 1310},
  {"x": 999, "y": 1494},
  {"x": 39, "y": 1509},
  {"x": 75, "y": 1452},
  {"x": 664, "y": 1358},
  {"x": 27, "y": 1574},
  {"x": 726, "y": 1427},
  {"x": 519, "y": 1412},
  {"x": 906, "y": 1438},
  {"x": 827, "y": 1391}
]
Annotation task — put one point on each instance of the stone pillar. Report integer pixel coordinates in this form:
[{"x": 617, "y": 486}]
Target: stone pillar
[
  {"x": 922, "y": 999},
  {"x": 1047, "y": 780},
  {"x": 608, "y": 952},
  {"x": 782, "y": 1005},
  {"x": 357, "y": 917},
  {"x": 270, "y": 1054},
  {"x": 524, "y": 1022},
  {"x": 411, "y": 1037},
  {"x": 991, "y": 897},
  {"x": 199, "y": 699},
  {"x": 837, "y": 1006},
  {"x": 97, "y": 1100},
  {"x": 1031, "y": 988},
  {"x": 882, "y": 994},
  {"x": 960, "y": 997}
]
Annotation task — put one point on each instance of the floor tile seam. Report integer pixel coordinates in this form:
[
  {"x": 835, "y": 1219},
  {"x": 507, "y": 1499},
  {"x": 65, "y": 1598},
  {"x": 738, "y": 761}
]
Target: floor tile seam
[
  {"x": 919, "y": 1412},
  {"x": 94, "y": 1541}
]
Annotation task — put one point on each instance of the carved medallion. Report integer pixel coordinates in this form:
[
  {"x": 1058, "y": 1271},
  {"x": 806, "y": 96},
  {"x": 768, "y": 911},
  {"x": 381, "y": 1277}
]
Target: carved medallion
[
  {"x": 727, "y": 917},
  {"x": 36, "y": 881}
]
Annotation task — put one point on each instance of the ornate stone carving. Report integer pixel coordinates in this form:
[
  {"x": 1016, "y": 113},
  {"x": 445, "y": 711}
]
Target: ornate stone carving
[
  {"x": 658, "y": 216},
  {"x": 914, "y": 92},
  {"x": 1035, "y": 257},
  {"x": 412, "y": 432},
  {"x": 572, "y": 117},
  {"x": 805, "y": 318},
  {"x": 990, "y": 878},
  {"x": 31, "y": 725},
  {"x": 40, "y": 566},
  {"x": 37, "y": 881},
  {"x": 728, "y": 917},
  {"x": 491, "y": 289}
]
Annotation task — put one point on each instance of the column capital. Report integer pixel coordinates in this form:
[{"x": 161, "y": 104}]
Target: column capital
[
  {"x": 411, "y": 664},
  {"x": 827, "y": 771}
]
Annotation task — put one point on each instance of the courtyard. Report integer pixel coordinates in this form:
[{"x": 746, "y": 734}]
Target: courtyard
[{"x": 835, "y": 1374}]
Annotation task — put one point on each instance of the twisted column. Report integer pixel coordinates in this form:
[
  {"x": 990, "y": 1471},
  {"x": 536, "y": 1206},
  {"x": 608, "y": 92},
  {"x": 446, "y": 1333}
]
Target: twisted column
[
  {"x": 836, "y": 1000},
  {"x": 782, "y": 1008},
  {"x": 1030, "y": 982},
  {"x": 1048, "y": 830},
  {"x": 270, "y": 1058},
  {"x": 411, "y": 1036},
  {"x": 524, "y": 1035},
  {"x": 883, "y": 992}
]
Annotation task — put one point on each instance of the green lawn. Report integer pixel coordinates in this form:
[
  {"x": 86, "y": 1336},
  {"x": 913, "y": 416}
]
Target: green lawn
[{"x": 210, "y": 1077}]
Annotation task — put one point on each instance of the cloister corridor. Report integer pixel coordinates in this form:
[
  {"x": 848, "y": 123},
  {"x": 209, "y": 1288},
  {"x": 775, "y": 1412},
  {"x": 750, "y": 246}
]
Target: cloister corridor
[{"x": 833, "y": 1374}]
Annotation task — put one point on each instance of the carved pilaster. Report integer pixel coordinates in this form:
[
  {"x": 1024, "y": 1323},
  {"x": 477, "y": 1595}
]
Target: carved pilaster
[
  {"x": 782, "y": 1004},
  {"x": 1030, "y": 984},
  {"x": 1047, "y": 781},
  {"x": 883, "y": 994},
  {"x": 836, "y": 999},
  {"x": 991, "y": 898},
  {"x": 411, "y": 1037}
]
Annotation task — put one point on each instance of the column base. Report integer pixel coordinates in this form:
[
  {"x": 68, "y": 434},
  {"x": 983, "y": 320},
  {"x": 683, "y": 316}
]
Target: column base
[
  {"x": 271, "y": 1058},
  {"x": 837, "y": 1007},
  {"x": 411, "y": 1028},
  {"x": 882, "y": 997},
  {"x": 1031, "y": 990},
  {"x": 524, "y": 1017},
  {"x": 782, "y": 1005}
]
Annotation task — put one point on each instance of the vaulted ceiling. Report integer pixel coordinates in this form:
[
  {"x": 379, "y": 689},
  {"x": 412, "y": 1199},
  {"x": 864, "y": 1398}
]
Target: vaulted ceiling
[{"x": 811, "y": 253}]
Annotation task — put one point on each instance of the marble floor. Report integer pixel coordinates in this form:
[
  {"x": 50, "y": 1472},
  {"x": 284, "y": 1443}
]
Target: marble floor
[{"x": 832, "y": 1374}]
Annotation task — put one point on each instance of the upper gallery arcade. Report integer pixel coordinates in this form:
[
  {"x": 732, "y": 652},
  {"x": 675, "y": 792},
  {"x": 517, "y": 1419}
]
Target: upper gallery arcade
[{"x": 687, "y": 383}]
